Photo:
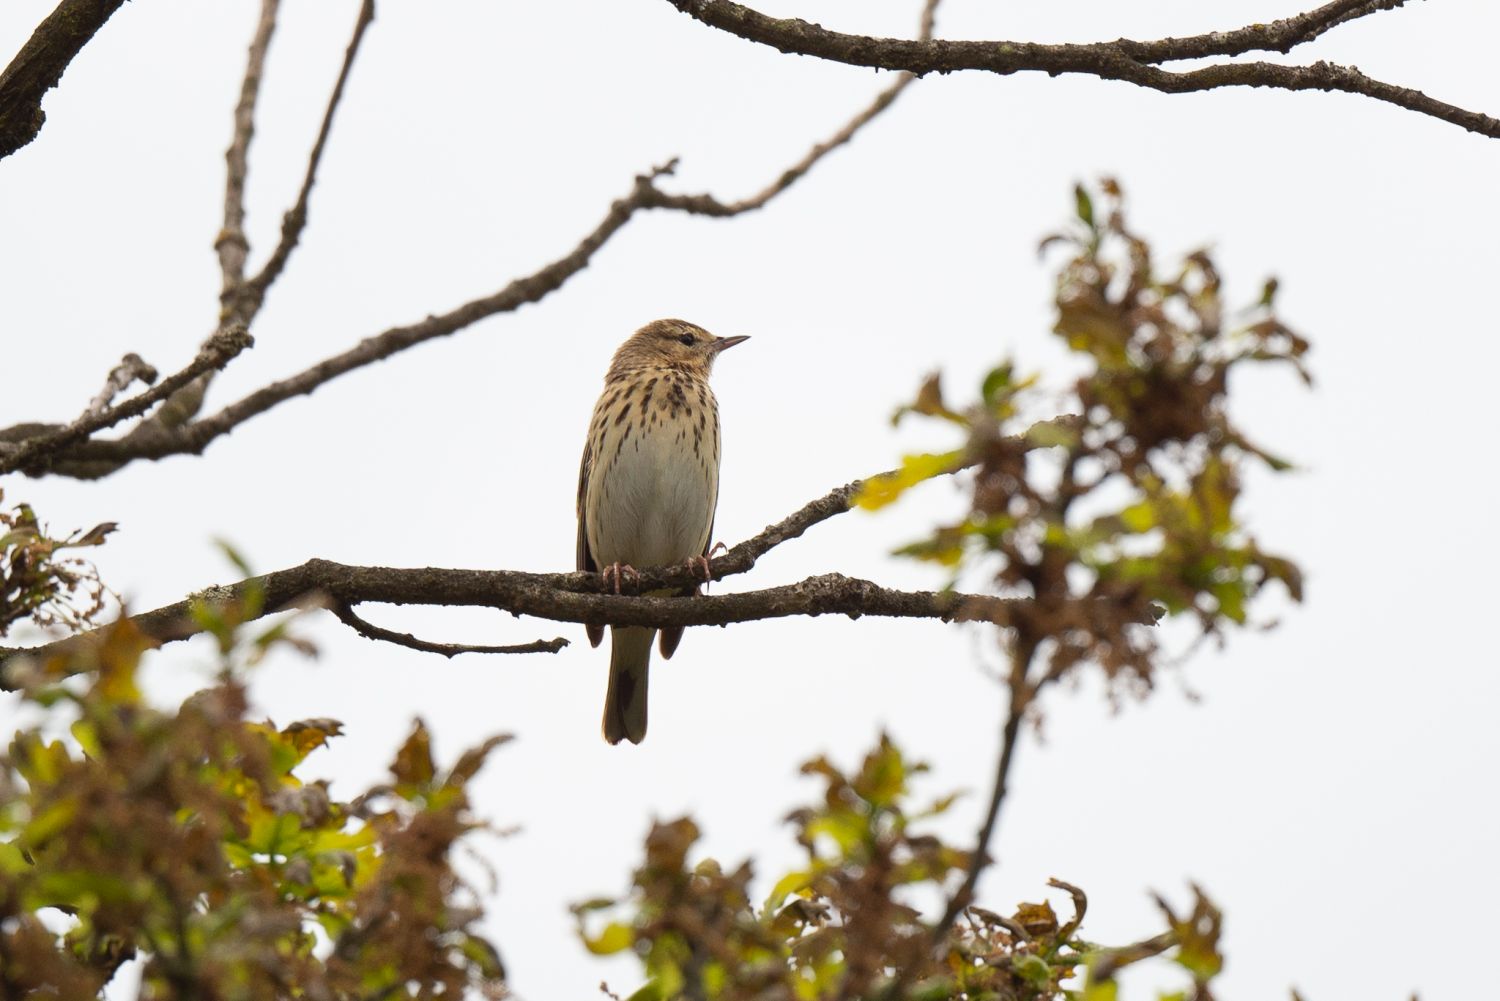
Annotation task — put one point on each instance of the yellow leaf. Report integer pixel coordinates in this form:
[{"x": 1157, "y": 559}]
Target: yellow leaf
[
  {"x": 792, "y": 882},
  {"x": 413, "y": 765},
  {"x": 1106, "y": 990},
  {"x": 310, "y": 734},
  {"x": 878, "y": 491},
  {"x": 614, "y": 938},
  {"x": 1139, "y": 517}
]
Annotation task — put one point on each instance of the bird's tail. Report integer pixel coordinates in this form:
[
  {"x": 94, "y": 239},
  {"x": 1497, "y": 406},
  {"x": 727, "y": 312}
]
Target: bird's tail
[{"x": 629, "y": 667}]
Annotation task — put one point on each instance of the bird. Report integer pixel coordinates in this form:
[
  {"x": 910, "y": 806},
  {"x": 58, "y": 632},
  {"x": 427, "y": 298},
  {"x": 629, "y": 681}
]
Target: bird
[{"x": 648, "y": 486}]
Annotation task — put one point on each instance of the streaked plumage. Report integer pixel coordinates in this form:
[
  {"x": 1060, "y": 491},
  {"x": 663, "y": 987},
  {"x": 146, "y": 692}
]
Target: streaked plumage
[{"x": 648, "y": 486}]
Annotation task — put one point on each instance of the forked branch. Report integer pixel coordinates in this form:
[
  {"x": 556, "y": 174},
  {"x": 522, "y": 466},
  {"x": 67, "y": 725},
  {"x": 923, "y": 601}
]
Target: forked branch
[
  {"x": 1125, "y": 59},
  {"x": 95, "y": 458}
]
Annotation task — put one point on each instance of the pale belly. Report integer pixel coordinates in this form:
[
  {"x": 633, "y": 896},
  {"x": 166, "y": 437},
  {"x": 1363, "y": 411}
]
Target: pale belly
[{"x": 654, "y": 499}]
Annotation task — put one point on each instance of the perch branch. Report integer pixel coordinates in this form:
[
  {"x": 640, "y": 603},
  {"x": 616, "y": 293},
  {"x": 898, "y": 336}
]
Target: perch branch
[
  {"x": 575, "y": 597},
  {"x": 559, "y": 597}
]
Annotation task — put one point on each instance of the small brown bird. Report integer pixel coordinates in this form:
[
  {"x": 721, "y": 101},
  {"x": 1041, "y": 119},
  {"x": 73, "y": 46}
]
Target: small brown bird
[{"x": 648, "y": 487}]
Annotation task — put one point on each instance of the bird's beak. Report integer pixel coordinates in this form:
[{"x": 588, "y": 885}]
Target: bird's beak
[{"x": 722, "y": 343}]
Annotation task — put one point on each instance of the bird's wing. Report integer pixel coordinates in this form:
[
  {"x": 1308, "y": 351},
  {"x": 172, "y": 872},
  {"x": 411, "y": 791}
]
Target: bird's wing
[{"x": 585, "y": 558}]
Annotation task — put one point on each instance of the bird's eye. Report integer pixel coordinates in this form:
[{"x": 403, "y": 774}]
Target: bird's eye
[{"x": 688, "y": 339}]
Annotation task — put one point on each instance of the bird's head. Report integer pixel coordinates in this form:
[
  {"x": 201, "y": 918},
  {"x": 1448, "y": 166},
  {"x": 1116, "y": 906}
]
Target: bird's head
[{"x": 672, "y": 344}]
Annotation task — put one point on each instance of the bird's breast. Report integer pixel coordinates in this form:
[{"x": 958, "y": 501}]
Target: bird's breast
[{"x": 655, "y": 476}]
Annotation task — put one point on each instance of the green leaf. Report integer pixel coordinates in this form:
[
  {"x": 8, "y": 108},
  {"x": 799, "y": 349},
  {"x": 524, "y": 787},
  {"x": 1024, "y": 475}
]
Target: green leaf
[
  {"x": 943, "y": 550},
  {"x": 651, "y": 990},
  {"x": 996, "y": 382},
  {"x": 615, "y": 937},
  {"x": 1139, "y": 518},
  {"x": 276, "y": 834},
  {"x": 49, "y": 822},
  {"x": 12, "y": 859},
  {"x": 934, "y": 989},
  {"x": 593, "y": 904},
  {"x": 1268, "y": 292},
  {"x": 1084, "y": 205},
  {"x": 87, "y": 734},
  {"x": 1051, "y": 434},
  {"x": 715, "y": 979},
  {"x": 792, "y": 882},
  {"x": 1104, "y": 990},
  {"x": 1033, "y": 969},
  {"x": 40, "y": 763},
  {"x": 482, "y": 954}
]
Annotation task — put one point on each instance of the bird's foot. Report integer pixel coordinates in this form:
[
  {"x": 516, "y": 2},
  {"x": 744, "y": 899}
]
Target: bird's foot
[
  {"x": 617, "y": 571},
  {"x": 701, "y": 563}
]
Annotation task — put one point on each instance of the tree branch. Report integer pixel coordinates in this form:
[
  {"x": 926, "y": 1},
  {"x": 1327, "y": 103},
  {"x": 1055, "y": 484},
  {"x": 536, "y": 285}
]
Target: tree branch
[
  {"x": 98, "y": 458},
  {"x": 569, "y": 597},
  {"x": 232, "y": 246},
  {"x": 1125, "y": 59},
  {"x": 1022, "y": 693},
  {"x": 710, "y": 206},
  {"x": 131, "y": 368},
  {"x": 295, "y": 219},
  {"x": 1277, "y": 36},
  {"x": 559, "y": 597},
  {"x": 39, "y": 66},
  {"x": 34, "y": 453},
  {"x": 369, "y": 630}
]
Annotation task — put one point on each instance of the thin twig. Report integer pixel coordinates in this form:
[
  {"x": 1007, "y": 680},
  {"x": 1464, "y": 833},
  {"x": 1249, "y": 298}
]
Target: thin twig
[
  {"x": 32, "y": 454},
  {"x": 1022, "y": 695},
  {"x": 1276, "y": 36},
  {"x": 711, "y": 206},
  {"x": 1125, "y": 59},
  {"x": 231, "y": 244},
  {"x": 96, "y": 458},
  {"x": 744, "y": 556},
  {"x": 369, "y": 630},
  {"x": 295, "y": 219},
  {"x": 131, "y": 368}
]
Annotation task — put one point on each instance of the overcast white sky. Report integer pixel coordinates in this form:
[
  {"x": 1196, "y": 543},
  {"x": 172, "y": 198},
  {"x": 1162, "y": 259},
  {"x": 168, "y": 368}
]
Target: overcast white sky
[{"x": 1334, "y": 791}]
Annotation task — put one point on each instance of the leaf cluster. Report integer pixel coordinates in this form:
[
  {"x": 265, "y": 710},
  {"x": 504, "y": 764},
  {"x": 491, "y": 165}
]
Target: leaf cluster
[
  {"x": 188, "y": 840},
  {"x": 41, "y": 579},
  {"x": 846, "y": 924},
  {"x": 1124, "y": 509}
]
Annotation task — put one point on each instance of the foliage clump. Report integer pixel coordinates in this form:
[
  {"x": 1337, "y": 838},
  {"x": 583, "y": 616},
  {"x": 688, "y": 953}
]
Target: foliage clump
[
  {"x": 846, "y": 924},
  {"x": 41, "y": 579},
  {"x": 188, "y": 839},
  {"x": 1124, "y": 509}
]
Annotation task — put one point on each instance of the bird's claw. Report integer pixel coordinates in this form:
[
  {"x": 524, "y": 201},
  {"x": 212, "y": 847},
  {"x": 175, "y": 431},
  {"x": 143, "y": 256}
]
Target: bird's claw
[
  {"x": 701, "y": 563},
  {"x": 617, "y": 571}
]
